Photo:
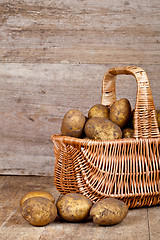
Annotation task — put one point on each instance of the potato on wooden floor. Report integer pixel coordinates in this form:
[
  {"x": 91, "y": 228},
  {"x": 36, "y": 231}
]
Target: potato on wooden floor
[
  {"x": 37, "y": 194},
  {"x": 108, "y": 211},
  {"x": 73, "y": 207},
  {"x": 102, "y": 129},
  {"x": 38, "y": 211},
  {"x": 73, "y": 123},
  {"x": 120, "y": 112},
  {"x": 98, "y": 110}
]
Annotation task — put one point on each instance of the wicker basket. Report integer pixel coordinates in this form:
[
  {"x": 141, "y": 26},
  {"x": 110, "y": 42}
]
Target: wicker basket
[{"x": 127, "y": 169}]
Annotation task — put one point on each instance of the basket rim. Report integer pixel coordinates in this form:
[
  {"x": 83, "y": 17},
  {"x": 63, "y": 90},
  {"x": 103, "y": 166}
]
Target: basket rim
[{"x": 68, "y": 139}]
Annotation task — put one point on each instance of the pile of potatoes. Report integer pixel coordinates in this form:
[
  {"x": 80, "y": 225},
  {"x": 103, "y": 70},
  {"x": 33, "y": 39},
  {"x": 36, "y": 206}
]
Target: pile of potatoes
[
  {"x": 102, "y": 123},
  {"x": 39, "y": 209}
]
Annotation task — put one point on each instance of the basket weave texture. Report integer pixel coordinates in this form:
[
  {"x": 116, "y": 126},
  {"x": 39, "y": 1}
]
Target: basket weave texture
[{"x": 127, "y": 169}]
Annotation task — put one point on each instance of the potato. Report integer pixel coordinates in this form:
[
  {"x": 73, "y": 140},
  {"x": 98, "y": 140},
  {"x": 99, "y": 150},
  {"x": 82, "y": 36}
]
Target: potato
[
  {"x": 128, "y": 133},
  {"x": 37, "y": 194},
  {"x": 102, "y": 129},
  {"x": 73, "y": 207},
  {"x": 73, "y": 123},
  {"x": 120, "y": 112},
  {"x": 108, "y": 211},
  {"x": 158, "y": 117},
  {"x": 38, "y": 211},
  {"x": 98, "y": 110}
]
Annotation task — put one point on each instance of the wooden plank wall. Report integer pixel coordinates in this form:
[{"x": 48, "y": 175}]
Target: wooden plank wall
[{"x": 53, "y": 55}]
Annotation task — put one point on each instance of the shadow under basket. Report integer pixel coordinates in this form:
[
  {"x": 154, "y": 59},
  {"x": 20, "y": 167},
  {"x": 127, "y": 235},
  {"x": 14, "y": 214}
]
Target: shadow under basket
[{"x": 126, "y": 169}]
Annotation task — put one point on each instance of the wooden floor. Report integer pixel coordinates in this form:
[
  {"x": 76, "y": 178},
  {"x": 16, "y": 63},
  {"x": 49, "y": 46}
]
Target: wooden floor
[
  {"x": 140, "y": 223},
  {"x": 53, "y": 56}
]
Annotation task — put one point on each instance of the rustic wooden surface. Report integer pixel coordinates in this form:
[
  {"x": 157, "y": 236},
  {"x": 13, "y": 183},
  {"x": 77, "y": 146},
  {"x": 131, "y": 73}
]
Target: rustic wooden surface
[
  {"x": 140, "y": 224},
  {"x": 80, "y": 31},
  {"x": 53, "y": 55}
]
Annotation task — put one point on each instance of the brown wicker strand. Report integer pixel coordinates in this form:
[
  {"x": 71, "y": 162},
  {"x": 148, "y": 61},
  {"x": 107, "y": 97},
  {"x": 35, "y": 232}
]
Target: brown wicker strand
[
  {"x": 145, "y": 117},
  {"x": 126, "y": 169}
]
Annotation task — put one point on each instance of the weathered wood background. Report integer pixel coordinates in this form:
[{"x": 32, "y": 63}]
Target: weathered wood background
[{"x": 53, "y": 55}]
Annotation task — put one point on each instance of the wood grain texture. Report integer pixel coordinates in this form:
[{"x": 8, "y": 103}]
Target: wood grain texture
[
  {"x": 94, "y": 31},
  {"x": 152, "y": 223},
  {"x": 33, "y": 103},
  {"x": 142, "y": 223},
  {"x": 53, "y": 55}
]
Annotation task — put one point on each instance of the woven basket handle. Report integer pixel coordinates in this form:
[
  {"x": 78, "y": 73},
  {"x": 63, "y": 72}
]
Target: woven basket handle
[{"x": 145, "y": 121}]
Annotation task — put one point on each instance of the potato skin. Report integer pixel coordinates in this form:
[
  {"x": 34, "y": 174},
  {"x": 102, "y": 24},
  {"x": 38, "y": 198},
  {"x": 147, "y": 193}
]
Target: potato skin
[
  {"x": 120, "y": 112},
  {"x": 102, "y": 129},
  {"x": 73, "y": 123},
  {"x": 37, "y": 194},
  {"x": 38, "y": 211},
  {"x": 73, "y": 207},
  {"x": 98, "y": 110},
  {"x": 108, "y": 211},
  {"x": 128, "y": 133}
]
